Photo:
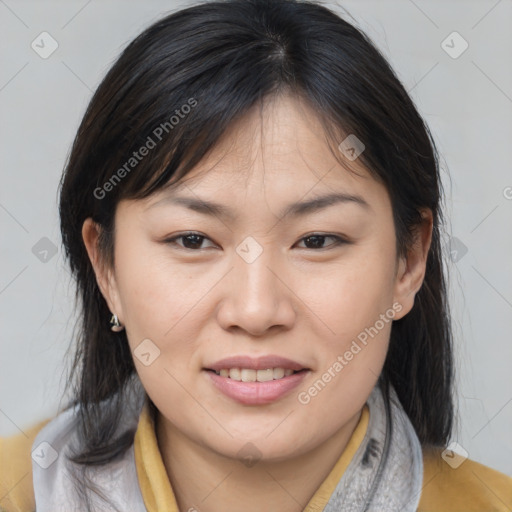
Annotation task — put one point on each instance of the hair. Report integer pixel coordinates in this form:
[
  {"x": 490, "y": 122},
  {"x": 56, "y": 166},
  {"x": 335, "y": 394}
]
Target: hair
[{"x": 181, "y": 83}]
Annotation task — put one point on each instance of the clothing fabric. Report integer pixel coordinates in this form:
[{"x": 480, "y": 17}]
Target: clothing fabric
[
  {"x": 384, "y": 475},
  {"x": 156, "y": 488},
  {"x": 468, "y": 487},
  {"x": 115, "y": 485}
]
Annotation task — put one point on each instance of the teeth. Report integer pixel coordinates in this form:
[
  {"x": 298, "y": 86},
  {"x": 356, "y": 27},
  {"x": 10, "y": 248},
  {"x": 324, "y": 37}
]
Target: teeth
[
  {"x": 278, "y": 373},
  {"x": 265, "y": 375},
  {"x": 235, "y": 374},
  {"x": 249, "y": 375}
]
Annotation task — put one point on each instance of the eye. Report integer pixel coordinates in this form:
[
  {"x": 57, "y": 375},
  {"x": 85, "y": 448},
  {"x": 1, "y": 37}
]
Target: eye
[
  {"x": 191, "y": 241},
  {"x": 317, "y": 240}
]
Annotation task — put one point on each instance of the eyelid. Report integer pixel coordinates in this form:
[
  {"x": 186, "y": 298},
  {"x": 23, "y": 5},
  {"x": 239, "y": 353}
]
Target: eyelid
[
  {"x": 172, "y": 240},
  {"x": 339, "y": 240}
]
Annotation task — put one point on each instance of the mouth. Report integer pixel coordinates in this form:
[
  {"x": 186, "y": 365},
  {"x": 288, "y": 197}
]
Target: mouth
[
  {"x": 252, "y": 375},
  {"x": 256, "y": 381}
]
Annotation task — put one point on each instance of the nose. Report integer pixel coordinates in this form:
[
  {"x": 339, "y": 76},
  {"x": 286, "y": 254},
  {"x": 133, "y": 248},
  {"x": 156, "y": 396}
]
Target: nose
[{"x": 256, "y": 297}]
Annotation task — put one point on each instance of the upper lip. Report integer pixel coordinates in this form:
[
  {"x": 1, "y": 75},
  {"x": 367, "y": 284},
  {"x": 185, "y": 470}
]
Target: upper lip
[{"x": 259, "y": 363}]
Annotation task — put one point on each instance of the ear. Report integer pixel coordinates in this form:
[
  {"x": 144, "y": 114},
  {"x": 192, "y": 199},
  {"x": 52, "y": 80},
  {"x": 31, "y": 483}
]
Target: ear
[
  {"x": 411, "y": 269},
  {"x": 104, "y": 273}
]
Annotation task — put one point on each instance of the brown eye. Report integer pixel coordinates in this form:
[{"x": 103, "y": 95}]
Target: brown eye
[
  {"x": 191, "y": 241},
  {"x": 316, "y": 241}
]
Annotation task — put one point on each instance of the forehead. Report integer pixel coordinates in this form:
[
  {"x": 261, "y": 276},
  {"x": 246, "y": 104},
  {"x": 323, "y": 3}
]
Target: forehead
[
  {"x": 280, "y": 143},
  {"x": 273, "y": 157}
]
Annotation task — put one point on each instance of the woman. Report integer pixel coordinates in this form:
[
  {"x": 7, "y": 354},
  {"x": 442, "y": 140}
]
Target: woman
[{"x": 252, "y": 212}]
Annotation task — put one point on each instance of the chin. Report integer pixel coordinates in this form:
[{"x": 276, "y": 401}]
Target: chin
[{"x": 251, "y": 449}]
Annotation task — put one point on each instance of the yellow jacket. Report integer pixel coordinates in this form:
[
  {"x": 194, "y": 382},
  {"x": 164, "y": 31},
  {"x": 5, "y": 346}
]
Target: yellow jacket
[{"x": 471, "y": 487}]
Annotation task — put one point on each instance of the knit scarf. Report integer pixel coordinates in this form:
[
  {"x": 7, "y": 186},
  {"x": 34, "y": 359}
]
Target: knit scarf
[{"x": 385, "y": 474}]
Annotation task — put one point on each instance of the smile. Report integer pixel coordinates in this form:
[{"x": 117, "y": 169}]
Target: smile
[
  {"x": 250, "y": 375},
  {"x": 246, "y": 388}
]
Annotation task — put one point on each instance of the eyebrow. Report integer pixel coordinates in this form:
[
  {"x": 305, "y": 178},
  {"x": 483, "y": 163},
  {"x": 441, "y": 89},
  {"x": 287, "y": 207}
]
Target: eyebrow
[{"x": 297, "y": 209}]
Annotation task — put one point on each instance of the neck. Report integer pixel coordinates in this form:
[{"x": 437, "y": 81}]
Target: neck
[{"x": 202, "y": 479}]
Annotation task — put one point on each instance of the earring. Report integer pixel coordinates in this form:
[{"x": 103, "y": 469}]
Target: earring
[{"x": 115, "y": 325}]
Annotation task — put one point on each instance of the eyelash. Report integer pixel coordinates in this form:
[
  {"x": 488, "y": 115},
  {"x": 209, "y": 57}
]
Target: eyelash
[{"x": 338, "y": 240}]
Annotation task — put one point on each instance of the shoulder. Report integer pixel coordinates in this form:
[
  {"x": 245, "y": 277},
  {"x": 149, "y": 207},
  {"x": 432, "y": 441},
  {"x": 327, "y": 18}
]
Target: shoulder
[
  {"x": 16, "y": 490},
  {"x": 462, "y": 485}
]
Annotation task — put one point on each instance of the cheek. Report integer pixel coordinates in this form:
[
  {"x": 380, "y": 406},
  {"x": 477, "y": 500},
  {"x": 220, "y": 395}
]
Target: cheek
[
  {"x": 354, "y": 303},
  {"x": 153, "y": 292},
  {"x": 358, "y": 313},
  {"x": 160, "y": 305},
  {"x": 158, "y": 299},
  {"x": 351, "y": 296}
]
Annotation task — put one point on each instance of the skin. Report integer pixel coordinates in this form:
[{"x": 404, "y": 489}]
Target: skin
[{"x": 308, "y": 304}]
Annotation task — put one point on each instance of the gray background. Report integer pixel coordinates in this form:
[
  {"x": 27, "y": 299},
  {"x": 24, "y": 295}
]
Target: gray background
[{"x": 467, "y": 101}]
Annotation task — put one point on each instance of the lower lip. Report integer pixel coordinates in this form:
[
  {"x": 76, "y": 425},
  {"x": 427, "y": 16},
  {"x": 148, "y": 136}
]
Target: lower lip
[{"x": 257, "y": 393}]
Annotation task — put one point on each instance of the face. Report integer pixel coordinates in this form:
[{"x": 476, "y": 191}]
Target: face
[{"x": 277, "y": 289}]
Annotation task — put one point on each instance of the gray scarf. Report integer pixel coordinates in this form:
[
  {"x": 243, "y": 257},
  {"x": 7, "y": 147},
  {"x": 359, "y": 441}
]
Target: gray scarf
[{"x": 385, "y": 474}]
